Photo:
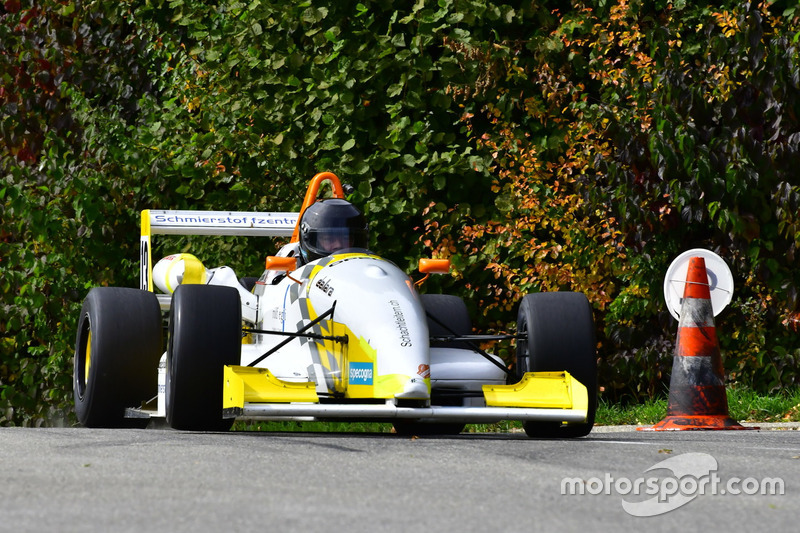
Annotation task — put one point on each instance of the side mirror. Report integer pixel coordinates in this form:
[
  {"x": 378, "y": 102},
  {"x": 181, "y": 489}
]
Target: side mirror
[
  {"x": 434, "y": 266},
  {"x": 281, "y": 264}
]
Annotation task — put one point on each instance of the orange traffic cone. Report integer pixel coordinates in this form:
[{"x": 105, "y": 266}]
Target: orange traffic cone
[{"x": 697, "y": 398}]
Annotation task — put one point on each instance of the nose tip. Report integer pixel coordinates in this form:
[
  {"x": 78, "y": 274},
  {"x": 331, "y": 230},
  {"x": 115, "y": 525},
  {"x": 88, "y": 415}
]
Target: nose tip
[{"x": 415, "y": 389}]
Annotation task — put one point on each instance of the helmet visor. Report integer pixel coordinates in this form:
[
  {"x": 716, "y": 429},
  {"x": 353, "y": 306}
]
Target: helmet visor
[{"x": 326, "y": 241}]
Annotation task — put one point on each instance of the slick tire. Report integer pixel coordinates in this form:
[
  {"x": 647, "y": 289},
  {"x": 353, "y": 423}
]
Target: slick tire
[
  {"x": 559, "y": 335},
  {"x": 205, "y": 334},
  {"x": 117, "y": 349},
  {"x": 447, "y": 315}
]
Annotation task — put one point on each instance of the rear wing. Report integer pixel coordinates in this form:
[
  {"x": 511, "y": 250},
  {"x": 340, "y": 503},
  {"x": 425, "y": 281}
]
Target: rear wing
[{"x": 231, "y": 223}]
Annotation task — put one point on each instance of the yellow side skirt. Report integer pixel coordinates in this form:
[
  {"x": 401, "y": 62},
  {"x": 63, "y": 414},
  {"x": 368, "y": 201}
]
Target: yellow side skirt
[{"x": 543, "y": 390}]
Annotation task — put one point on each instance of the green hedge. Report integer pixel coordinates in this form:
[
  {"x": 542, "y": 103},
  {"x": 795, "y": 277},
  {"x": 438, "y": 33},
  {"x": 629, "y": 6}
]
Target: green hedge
[{"x": 542, "y": 147}]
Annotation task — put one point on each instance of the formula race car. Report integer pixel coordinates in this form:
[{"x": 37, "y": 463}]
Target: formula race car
[{"x": 320, "y": 336}]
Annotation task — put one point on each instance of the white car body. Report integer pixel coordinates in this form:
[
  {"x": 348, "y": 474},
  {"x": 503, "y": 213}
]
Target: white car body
[{"x": 386, "y": 368}]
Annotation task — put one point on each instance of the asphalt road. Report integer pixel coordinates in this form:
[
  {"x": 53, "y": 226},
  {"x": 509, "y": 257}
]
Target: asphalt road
[{"x": 76, "y": 479}]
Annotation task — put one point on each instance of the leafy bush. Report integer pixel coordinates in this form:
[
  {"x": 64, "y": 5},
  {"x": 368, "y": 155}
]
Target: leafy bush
[
  {"x": 541, "y": 147},
  {"x": 625, "y": 134}
]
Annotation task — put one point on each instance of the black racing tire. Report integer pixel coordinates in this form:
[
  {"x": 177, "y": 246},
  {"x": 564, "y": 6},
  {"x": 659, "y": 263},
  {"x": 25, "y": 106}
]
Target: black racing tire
[
  {"x": 248, "y": 282},
  {"x": 117, "y": 350},
  {"x": 560, "y": 336},
  {"x": 205, "y": 334},
  {"x": 447, "y": 315}
]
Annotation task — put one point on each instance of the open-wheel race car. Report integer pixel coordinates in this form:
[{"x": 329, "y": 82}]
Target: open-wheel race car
[{"x": 328, "y": 332}]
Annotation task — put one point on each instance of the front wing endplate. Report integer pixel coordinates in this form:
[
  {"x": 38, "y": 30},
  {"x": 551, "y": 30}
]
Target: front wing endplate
[
  {"x": 546, "y": 390},
  {"x": 244, "y": 384}
]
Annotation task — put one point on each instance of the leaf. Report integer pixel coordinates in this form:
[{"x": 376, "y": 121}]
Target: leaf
[
  {"x": 397, "y": 207},
  {"x": 364, "y": 188}
]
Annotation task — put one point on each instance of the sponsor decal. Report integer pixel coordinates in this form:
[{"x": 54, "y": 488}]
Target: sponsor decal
[
  {"x": 400, "y": 322},
  {"x": 361, "y": 373},
  {"x": 144, "y": 264},
  {"x": 324, "y": 285},
  {"x": 222, "y": 220},
  {"x": 424, "y": 371}
]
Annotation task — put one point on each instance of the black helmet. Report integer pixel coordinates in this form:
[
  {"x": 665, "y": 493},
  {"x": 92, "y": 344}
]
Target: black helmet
[{"x": 331, "y": 225}]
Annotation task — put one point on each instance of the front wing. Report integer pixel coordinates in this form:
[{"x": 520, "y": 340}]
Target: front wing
[{"x": 255, "y": 394}]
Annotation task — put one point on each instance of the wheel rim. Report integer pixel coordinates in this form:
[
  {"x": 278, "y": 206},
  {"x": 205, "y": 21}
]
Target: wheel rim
[
  {"x": 83, "y": 360},
  {"x": 87, "y": 364}
]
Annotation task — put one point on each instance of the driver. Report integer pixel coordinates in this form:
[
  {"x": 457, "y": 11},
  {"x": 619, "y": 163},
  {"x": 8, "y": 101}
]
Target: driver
[{"x": 329, "y": 226}]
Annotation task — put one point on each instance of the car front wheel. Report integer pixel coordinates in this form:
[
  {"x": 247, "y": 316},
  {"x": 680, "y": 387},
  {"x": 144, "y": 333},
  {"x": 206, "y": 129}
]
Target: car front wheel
[
  {"x": 205, "y": 334},
  {"x": 558, "y": 331},
  {"x": 117, "y": 349}
]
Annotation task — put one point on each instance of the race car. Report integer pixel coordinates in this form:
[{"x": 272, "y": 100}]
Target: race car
[{"x": 343, "y": 336}]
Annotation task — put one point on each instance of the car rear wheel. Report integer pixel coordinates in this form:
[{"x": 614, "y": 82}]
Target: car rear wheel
[
  {"x": 117, "y": 349},
  {"x": 447, "y": 315},
  {"x": 248, "y": 282},
  {"x": 205, "y": 334},
  {"x": 559, "y": 335}
]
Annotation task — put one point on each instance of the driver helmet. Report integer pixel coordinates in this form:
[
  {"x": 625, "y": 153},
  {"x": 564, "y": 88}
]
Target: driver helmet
[{"x": 331, "y": 225}]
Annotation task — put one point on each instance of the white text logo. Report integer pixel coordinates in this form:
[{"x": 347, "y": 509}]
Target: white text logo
[{"x": 693, "y": 475}]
